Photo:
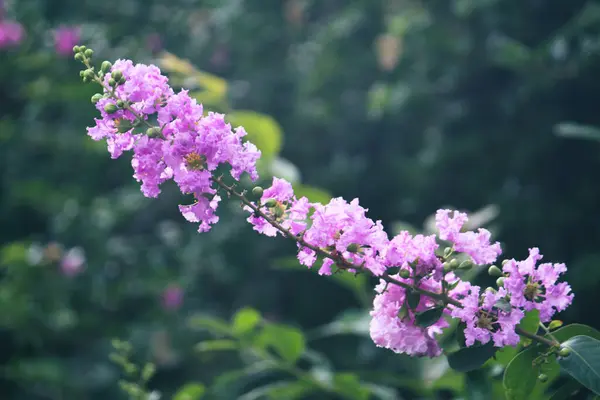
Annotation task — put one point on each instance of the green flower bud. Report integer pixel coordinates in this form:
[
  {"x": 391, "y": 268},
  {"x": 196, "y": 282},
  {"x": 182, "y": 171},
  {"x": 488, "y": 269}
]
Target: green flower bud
[
  {"x": 112, "y": 82},
  {"x": 454, "y": 263},
  {"x": 89, "y": 53},
  {"x": 564, "y": 352},
  {"x": 89, "y": 74},
  {"x": 78, "y": 57},
  {"x": 448, "y": 252},
  {"x": 81, "y": 73},
  {"x": 466, "y": 265},
  {"x": 75, "y": 49},
  {"x": 82, "y": 48},
  {"x": 105, "y": 67},
  {"x": 504, "y": 262},
  {"x": 257, "y": 192},
  {"x": 270, "y": 203},
  {"x": 116, "y": 75},
  {"x": 110, "y": 108},
  {"x": 494, "y": 271},
  {"x": 500, "y": 281},
  {"x": 404, "y": 273},
  {"x": 153, "y": 132},
  {"x": 446, "y": 266},
  {"x": 542, "y": 378},
  {"x": 120, "y": 103},
  {"x": 353, "y": 248},
  {"x": 96, "y": 98}
]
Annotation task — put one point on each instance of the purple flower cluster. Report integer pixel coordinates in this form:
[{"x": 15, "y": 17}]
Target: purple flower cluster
[
  {"x": 419, "y": 285},
  {"x": 187, "y": 146},
  {"x": 11, "y": 33}
]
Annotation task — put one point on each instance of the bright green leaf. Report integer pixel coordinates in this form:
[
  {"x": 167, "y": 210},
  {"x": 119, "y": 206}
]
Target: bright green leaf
[
  {"x": 279, "y": 390},
  {"x": 429, "y": 317},
  {"x": 315, "y": 195},
  {"x": 245, "y": 320},
  {"x": 470, "y": 358},
  {"x": 262, "y": 130},
  {"x": 583, "y": 363},
  {"x": 289, "y": 343},
  {"x": 211, "y": 324},
  {"x": 350, "y": 385},
  {"x": 190, "y": 391}
]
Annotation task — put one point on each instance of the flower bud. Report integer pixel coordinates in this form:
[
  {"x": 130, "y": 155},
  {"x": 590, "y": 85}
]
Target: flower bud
[
  {"x": 454, "y": 264},
  {"x": 278, "y": 212},
  {"x": 257, "y": 192},
  {"x": 153, "y": 132},
  {"x": 110, "y": 108},
  {"x": 89, "y": 74},
  {"x": 270, "y": 203},
  {"x": 82, "y": 48},
  {"x": 120, "y": 103},
  {"x": 564, "y": 352},
  {"x": 448, "y": 252},
  {"x": 89, "y": 53},
  {"x": 504, "y": 262},
  {"x": 466, "y": 265},
  {"x": 81, "y": 73},
  {"x": 353, "y": 248},
  {"x": 542, "y": 378},
  {"x": 78, "y": 57},
  {"x": 96, "y": 98},
  {"x": 500, "y": 281},
  {"x": 446, "y": 266},
  {"x": 112, "y": 82},
  {"x": 116, "y": 75},
  {"x": 75, "y": 49},
  {"x": 105, "y": 67},
  {"x": 404, "y": 273},
  {"x": 494, "y": 271}
]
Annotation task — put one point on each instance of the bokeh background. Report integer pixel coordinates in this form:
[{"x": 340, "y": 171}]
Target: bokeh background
[{"x": 483, "y": 105}]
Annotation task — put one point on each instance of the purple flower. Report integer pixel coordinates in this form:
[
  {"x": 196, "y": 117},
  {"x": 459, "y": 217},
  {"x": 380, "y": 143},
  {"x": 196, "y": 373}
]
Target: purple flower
[
  {"x": 11, "y": 33},
  {"x": 172, "y": 297},
  {"x": 65, "y": 37},
  {"x": 534, "y": 286},
  {"x": 72, "y": 262},
  {"x": 475, "y": 244}
]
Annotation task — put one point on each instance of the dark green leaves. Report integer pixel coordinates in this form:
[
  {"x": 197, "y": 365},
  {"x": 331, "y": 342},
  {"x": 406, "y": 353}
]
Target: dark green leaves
[
  {"x": 520, "y": 379},
  {"x": 583, "y": 363},
  {"x": 471, "y": 358},
  {"x": 429, "y": 317},
  {"x": 530, "y": 323},
  {"x": 413, "y": 299}
]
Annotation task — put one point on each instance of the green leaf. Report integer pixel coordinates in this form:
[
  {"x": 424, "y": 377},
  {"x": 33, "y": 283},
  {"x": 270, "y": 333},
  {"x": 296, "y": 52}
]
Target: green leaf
[
  {"x": 506, "y": 354},
  {"x": 530, "y": 323},
  {"x": 555, "y": 324},
  {"x": 566, "y": 391},
  {"x": 471, "y": 358},
  {"x": 190, "y": 391},
  {"x": 262, "y": 130},
  {"x": 315, "y": 195},
  {"x": 13, "y": 253},
  {"x": 349, "y": 385},
  {"x": 578, "y": 131},
  {"x": 413, "y": 299},
  {"x": 520, "y": 379},
  {"x": 503, "y": 305},
  {"x": 583, "y": 363},
  {"x": 216, "y": 345},
  {"x": 289, "y": 343},
  {"x": 245, "y": 320},
  {"x": 349, "y": 322},
  {"x": 211, "y": 324},
  {"x": 429, "y": 317},
  {"x": 279, "y": 390}
]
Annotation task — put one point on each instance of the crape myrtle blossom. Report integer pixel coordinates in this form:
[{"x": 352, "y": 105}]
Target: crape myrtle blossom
[{"x": 173, "y": 138}]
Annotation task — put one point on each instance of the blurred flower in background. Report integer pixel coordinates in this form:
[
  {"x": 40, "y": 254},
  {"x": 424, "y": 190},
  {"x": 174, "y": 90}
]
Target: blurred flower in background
[
  {"x": 11, "y": 33},
  {"x": 73, "y": 261},
  {"x": 65, "y": 37},
  {"x": 172, "y": 297}
]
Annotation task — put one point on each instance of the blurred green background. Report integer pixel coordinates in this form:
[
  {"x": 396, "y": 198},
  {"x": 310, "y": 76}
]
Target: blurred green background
[{"x": 481, "y": 105}]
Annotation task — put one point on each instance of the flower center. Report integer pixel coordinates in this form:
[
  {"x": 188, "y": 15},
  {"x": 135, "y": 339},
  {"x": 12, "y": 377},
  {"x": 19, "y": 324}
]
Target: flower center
[
  {"x": 531, "y": 291},
  {"x": 195, "y": 161},
  {"x": 484, "y": 321}
]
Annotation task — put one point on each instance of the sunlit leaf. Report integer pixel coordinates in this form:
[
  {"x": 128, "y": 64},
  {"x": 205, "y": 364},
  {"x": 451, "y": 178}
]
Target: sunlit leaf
[
  {"x": 191, "y": 391},
  {"x": 577, "y": 131},
  {"x": 288, "y": 342},
  {"x": 245, "y": 321},
  {"x": 262, "y": 130}
]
